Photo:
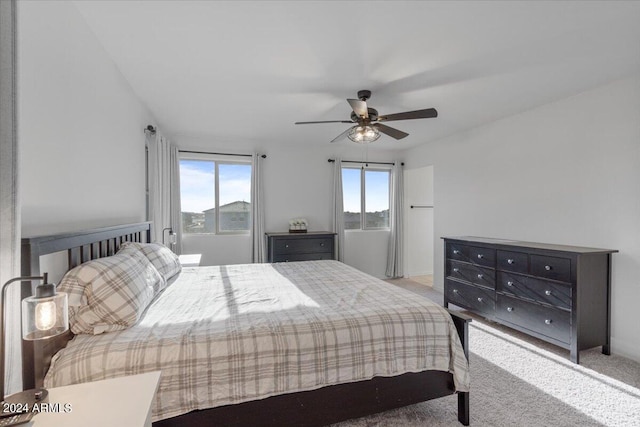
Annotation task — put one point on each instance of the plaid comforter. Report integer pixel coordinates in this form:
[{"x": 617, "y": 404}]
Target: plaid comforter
[{"x": 228, "y": 334}]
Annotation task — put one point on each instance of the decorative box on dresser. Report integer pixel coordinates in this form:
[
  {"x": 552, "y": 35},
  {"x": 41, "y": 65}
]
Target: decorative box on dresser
[
  {"x": 560, "y": 294},
  {"x": 312, "y": 245}
]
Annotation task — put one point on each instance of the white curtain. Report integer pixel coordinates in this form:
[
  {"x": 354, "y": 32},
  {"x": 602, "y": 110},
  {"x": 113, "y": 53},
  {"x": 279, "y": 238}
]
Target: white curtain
[
  {"x": 164, "y": 190},
  {"x": 9, "y": 201},
  {"x": 259, "y": 249},
  {"x": 395, "y": 256},
  {"x": 338, "y": 209},
  {"x": 175, "y": 211}
]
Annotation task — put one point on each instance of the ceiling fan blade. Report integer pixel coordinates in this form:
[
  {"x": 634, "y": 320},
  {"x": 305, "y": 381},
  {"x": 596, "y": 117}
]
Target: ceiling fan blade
[
  {"x": 392, "y": 132},
  {"x": 326, "y": 121},
  {"x": 359, "y": 107},
  {"x": 428, "y": 113},
  {"x": 341, "y": 136}
]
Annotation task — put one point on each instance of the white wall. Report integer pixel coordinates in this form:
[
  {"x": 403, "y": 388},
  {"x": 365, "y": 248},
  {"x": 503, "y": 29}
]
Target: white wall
[
  {"x": 298, "y": 182},
  {"x": 82, "y": 148},
  {"x": 418, "y": 232},
  {"x": 80, "y": 127},
  {"x": 567, "y": 173},
  {"x": 218, "y": 250}
]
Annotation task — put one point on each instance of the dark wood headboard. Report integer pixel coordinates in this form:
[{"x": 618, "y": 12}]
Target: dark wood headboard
[{"x": 80, "y": 246}]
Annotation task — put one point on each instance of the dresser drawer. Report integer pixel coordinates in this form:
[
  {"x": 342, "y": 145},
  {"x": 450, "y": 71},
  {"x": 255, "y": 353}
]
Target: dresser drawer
[
  {"x": 482, "y": 256},
  {"x": 517, "y": 262},
  {"x": 482, "y": 276},
  {"x": 458, "y": 252},
  {"x": 302, "y": 257},
  {"x": 553, "y": 268},
  {"x": 548, "y": 321},
  {"x": 306, "y": 245},
  {"x": 556, "y": 294},
  {"x": 475, "y": 298}
]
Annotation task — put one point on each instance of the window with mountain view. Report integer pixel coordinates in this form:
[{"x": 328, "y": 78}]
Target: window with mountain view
[
  {"x": 365, "y": 190},
  {"x": 215, "y": 196}
]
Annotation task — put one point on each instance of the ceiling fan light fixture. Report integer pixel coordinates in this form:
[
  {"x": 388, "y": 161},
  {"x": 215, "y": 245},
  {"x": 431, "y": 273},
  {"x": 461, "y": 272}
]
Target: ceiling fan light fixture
[
  {"x": 363, "y": 134},
  {"x": 367, "y": 121}
]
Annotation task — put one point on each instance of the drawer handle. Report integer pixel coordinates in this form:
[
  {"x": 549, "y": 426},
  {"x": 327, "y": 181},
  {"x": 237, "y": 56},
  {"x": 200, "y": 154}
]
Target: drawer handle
[
  {"x": 455, "y": 291},
  {"x": 547, "y": 292},
  {"x": 455, "y": 270},
  {"x": 509, "y": 283},
  {"x": 479, "y": 299},
  {"x": 547, "y": 267},
  {"x": 321, "y": 244},
  {"x": 480, "y": 256},
  {"x": 509, "y": 309},
  {"x": 286, "y": 246},
  {"x": 510, "y": 261},
  {"x": 548, "y": 321},
  {"x": 480, "y": 276},
  {"x": 456, "y": 252}
]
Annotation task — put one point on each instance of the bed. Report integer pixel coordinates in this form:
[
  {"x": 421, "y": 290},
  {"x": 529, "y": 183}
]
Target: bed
[{"x": 307, "y": 343}]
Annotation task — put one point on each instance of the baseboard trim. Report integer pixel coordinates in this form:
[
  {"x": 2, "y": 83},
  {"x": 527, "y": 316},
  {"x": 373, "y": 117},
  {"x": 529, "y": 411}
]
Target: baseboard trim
[
  {"x": 624, "y": 349},
  {"x": 413, "y": 274}
]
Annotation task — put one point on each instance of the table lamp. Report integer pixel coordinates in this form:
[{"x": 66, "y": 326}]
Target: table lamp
[
  {"x": 44, "y": 315},
  {"x": 172, "y": 236}
]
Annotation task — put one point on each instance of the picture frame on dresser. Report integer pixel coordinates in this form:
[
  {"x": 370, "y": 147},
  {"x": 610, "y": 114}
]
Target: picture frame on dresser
[{"x": 557, "y": 293}]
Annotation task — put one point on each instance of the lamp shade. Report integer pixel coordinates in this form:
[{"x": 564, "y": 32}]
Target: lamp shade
[
  {"x": 172, "y": 236},
  {"x": 363, "y": 134},
  {"x": 44, "y": 316}
]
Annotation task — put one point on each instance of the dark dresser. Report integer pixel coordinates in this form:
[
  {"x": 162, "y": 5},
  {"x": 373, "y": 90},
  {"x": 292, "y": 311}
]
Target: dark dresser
[
  {"x": 560, "y": 294},
  {"x": 313, "y": 245}
]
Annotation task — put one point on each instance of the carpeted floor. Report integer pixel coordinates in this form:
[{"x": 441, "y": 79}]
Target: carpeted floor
[{"x": 521, "y": 381}]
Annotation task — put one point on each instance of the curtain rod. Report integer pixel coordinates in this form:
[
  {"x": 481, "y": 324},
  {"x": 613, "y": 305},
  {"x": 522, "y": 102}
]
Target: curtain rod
[
  {"x": 356, "y": 161},
  {"x": 421, "y": 206},
  {"x": 264, "y": 156}
]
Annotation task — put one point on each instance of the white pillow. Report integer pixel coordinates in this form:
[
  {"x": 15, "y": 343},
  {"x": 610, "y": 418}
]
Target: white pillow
[
  {"x": 163, "y": 259},
  {"x": 111, "y": 293}
]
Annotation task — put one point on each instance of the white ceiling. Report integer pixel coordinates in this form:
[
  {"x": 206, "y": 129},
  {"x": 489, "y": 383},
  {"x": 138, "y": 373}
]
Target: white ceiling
[{"x": 246, "y": 71}]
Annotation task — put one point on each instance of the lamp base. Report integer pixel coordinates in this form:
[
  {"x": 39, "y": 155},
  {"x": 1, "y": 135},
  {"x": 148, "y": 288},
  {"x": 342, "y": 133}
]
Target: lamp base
[{"x": 23, "y": 401}]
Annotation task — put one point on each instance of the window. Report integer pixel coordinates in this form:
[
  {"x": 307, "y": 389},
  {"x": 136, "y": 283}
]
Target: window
[
  {"x": 365, "y": 190},
  {"x": 215, "y": 196}
]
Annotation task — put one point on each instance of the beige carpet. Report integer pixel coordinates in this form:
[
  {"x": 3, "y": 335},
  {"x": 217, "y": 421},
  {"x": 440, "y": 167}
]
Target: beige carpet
[{"x": 521, "y": 381}]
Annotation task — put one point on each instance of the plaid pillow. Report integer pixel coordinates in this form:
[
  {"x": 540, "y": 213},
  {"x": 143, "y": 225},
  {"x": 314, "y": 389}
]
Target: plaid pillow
[
  {"x": 116, "y": 290},
  {"x": 163, "y": 259}
]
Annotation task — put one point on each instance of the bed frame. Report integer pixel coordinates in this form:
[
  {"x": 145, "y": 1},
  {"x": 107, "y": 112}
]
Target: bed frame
[{"x": 319, "y": 407}]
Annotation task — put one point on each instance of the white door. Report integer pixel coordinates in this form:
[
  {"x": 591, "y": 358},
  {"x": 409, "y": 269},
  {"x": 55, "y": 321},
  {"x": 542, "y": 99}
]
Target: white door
[{"x": 419, "y": 235}]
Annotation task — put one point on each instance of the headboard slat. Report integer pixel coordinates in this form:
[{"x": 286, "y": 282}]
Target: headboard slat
[{"x": 72, "y": 257}]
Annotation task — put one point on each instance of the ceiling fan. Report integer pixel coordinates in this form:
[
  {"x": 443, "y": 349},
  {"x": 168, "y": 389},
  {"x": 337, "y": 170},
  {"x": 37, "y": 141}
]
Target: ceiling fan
[{"x": 367, "y": 121}]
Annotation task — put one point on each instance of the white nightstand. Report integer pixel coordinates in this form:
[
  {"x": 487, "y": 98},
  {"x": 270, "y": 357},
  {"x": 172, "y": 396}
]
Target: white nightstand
[
  {"x": 190, "y": 260},
  {"x": 123, "y": 401}
]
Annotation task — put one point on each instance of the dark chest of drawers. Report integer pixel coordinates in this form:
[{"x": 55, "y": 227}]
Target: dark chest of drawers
[
  {"x": 285, "y": 247},
  {"x": 560, "y": 294}
]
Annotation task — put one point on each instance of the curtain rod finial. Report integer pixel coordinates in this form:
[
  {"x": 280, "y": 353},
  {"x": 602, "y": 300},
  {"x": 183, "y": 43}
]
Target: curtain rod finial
[{"x": 150, "y": 129}]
